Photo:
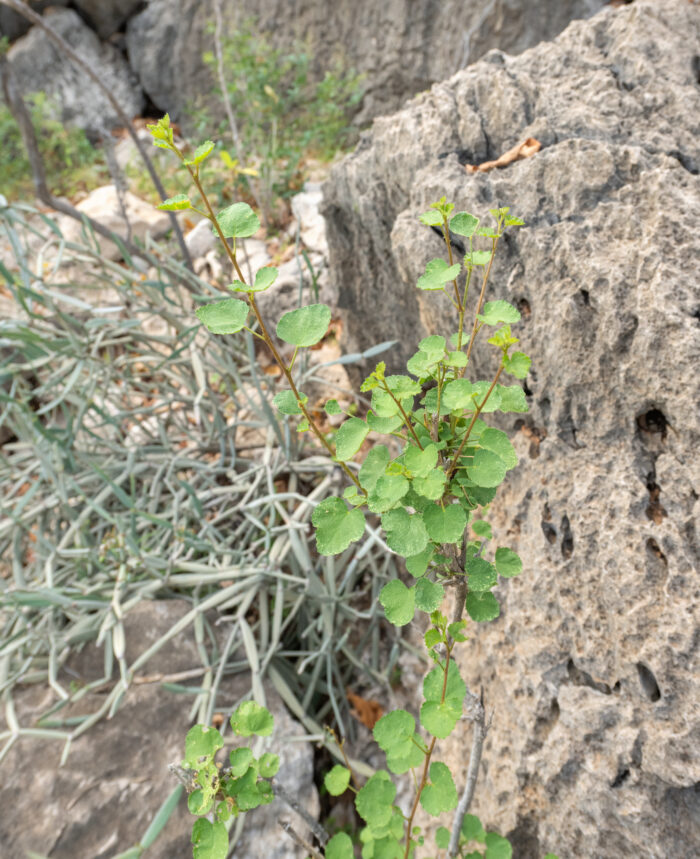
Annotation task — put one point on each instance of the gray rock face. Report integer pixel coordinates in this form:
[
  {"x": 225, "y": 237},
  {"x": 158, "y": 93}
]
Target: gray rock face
[
  {"x": 594, "y": 747},
  {"x": 101, "y": 801},
  {"x": 402, "y": 46},
  {"x": 38, "y": 66},
  {"x": 107, "y": 16},
  {"x": 13, "y": 25}
]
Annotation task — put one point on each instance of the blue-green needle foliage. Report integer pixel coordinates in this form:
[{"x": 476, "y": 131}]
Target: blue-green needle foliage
[{"x": 431, "y": 499}]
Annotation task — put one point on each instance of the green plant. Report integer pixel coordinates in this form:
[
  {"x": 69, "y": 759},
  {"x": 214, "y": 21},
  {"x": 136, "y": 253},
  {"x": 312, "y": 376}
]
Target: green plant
[
  {"x": 71, "y": 161},
  {"x": 281, "y": 111},
  {"x": 432, "y": 498}
]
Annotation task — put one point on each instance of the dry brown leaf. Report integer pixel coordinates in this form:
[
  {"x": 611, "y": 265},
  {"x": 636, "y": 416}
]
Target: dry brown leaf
[
  {"x": 368, "y": 712},
  {"x": 526, "y": 149}
]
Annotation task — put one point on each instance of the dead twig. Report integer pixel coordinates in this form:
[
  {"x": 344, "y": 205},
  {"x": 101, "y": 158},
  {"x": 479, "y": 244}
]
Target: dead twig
[
  {"x": 526, "y": 149},
  {"x": 320, "y": 833},
  {"x": 302, "y": 842},
  {"x": 478, "y": 716}
]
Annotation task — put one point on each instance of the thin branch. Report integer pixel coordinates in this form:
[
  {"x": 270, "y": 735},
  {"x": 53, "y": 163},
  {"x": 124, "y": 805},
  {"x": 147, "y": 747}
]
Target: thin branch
[
  {"x": 480, "y": 731},
  {"x": 300, "y": 841},
  {"x": 320, "y": 833},
  {"x": 24, "y": 10}
]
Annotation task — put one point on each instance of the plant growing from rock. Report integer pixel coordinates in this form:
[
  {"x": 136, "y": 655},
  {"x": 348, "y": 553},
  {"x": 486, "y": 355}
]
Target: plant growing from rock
[{"x": 432, "y": 498}]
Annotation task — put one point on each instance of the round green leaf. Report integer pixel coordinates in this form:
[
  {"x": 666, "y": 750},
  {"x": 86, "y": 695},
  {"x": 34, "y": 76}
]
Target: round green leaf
[
  {"x": 437, "y": 274},
  {"x": 237, "y": 221},
  {"x": 394, "y": 732},
  {"x": 420, "y": 462},
  {"x": 250, "y": 718},
  {"x": 497, "y": 847},
  {"x": 287, "y": 403},
  {"x": 201, "y": 152},
  {"x": 336, "y": 526},
  {"x": 508, "y": 563},
  {"x": 374, "y": 801},
  {"x": 175, "y": 204},
  {"x": 209, "y": 840},
  {"x": 518, "y": 365},
  {"x": 374, "y": 466},
  {"x": 387, "y": 492},
  {"x": 201, "y": 742},
  {"x": 332, "y": 407},
  {"x": 458, "y": 394},
  {"x": 455, "y": 690},
  {"x": 464, "y": 224},
  {"x": 477, "y": 258},
  {"x": 340, "y": 847},
  {"x": 483, "y": 606},
  {"x": 418, "y": 564},
  {"x": 383, "y": 425},
  {"x": 487, "y": 469},
  {"x": 349, "y": 438},
  {"x": 405, "y": 532},
  {"x": 429, "y": 595},
  {"x": 431, "y": 219},
  {"x": 264, "y": 278},
  {"x": 269, "y": 764},
  {"x": 442, "y": 838},
  {"x": 440, "y": 794},
  {"x": 304, "y": 326},
  {"x": 482, "y": 529},
  {"x": 224, "y": 317},
  {"x": 497, "y": 312},
  {"x": 398, "y": 602},
  {"x": 482, "y": 575},
  {"x": 472, "y": 829},
  {"x": 337, "y": 780},
  {"x": 432, "y": 486},
  {"x": 196, "y": 803},
  {"x": 445, "y": 526},
  {"x": 439, "y": 718},
  {"x": 511, "y": 398},
  {"x": 498, "y": 442},
  {"x": 240, "y": 761}
]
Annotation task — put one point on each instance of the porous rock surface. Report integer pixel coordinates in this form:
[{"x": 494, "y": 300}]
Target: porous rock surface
[
  {"x": 101, "y": 801},
  {"x": 400, "y": 46},
  {"x": 591, "y": 669},
  {"x": 38, "y": 66}
]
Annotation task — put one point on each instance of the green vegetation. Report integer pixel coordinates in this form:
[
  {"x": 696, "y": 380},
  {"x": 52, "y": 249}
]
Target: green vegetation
[
  {"x": 72, "y": 163},
  {"x": 283, "y": 114},
  {"x": 431, "y": 488}
]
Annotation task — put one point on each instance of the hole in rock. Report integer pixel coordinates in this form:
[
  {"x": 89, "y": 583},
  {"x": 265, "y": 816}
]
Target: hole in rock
[
  {"x": 654, "y": 549},
  {"x": 653, "y": 422},
  {"x": 524, "y": 307},
  {"x": 655, "y": 509},
  {"x": 579, "y": 677},
  {"x": 567, "y": 538},
  {"x": 622, "y": 775},
  {"x": 648, "y": 682}
]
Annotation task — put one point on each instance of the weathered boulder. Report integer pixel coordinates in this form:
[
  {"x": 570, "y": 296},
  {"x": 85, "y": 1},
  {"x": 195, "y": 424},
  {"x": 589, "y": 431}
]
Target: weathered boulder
[
  {"x": 39, "y": 66},
  {"x": 102, "y": 800},
  {"x": 13, "y": 25},
  {"x": 106, "y": 16},
  {"x": 401, "y": 46},
  {"x": 594, "y": 748}
]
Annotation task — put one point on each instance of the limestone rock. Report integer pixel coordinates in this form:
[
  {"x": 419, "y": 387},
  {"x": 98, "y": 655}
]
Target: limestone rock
[
  {"x": 107, "y": 16},
  {"x": 101, "y": 801},
  {"x": 102, "y": 205},
  {"x": 594, "y": 746},
  {"x": 312, "y": 225},
  {"x": 401, "y": 46},
  {"x": 38, "y": 66}
]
